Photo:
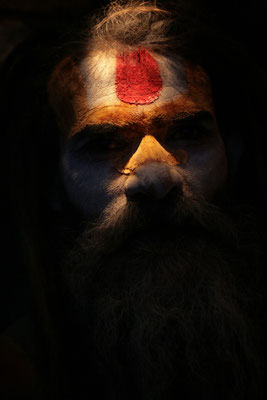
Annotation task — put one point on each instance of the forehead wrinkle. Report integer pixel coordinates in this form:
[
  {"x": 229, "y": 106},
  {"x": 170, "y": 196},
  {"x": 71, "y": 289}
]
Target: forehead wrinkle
[
  {"x": 98, "y": 72},
  {"x": 196, "y": 87},
  {"x": 142, "y": 121},
  {"x": 68, "y": 97},
  {"x": 114, "y": 129}
]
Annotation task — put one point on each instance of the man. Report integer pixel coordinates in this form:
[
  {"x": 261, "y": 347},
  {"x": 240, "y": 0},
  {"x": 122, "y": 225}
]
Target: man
[{"x": 146, "y": 268}]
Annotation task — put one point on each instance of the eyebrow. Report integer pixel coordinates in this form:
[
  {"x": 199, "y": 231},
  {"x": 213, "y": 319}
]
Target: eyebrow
[
  {"x": 109, "y": 128},
  {"x": 105, "y": 128},
  {"x": 202, "y": 115}
]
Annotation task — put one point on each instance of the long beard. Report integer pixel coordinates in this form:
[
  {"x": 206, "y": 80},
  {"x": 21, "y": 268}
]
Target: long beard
[{"x": 163, "y": 302}]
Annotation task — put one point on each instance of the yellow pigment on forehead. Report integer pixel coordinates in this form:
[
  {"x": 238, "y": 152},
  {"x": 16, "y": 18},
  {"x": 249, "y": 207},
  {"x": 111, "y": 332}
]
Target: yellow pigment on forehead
[{"x": 68, "y": 98}]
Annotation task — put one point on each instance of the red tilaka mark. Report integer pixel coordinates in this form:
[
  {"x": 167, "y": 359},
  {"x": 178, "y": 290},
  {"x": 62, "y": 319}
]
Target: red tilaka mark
[{"x": 138, "y": 79}]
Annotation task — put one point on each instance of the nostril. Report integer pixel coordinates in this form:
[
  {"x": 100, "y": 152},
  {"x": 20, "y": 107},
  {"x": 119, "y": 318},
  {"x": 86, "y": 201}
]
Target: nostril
[
  {"x": 151, "y": 203},
  {"x": 138, "y": 197},
  {"x": 176, "y": 191},
  {"x": 134, "y": 189},
  {"x": 152, "y": 181}
]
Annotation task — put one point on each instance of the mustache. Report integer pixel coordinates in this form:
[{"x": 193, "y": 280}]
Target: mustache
[{"x": 175, "y": 216}]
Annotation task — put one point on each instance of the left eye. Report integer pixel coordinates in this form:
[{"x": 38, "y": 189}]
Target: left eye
[{"x": 189, "y": 132}]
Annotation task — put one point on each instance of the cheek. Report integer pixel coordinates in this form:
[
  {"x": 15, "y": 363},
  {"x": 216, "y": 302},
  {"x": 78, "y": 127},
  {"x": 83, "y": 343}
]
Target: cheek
[
  {"x": 86, "y": 182},
  {"x": 207, "y": 170}
]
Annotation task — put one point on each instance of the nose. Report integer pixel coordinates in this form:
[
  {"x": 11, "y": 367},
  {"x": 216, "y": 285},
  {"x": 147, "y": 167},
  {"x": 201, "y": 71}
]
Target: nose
[
  {"x": 152, "y": 171},
  {"x": 153, "y": 180}
]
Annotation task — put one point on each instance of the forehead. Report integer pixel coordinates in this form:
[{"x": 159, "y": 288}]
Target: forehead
[
  {"x": 126, "y": 88},
  {"x": 105, "y": 73}
]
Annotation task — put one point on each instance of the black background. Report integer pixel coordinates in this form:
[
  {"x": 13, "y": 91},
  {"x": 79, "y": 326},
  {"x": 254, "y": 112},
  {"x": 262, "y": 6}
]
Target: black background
[{"x": 245, "y": 23}]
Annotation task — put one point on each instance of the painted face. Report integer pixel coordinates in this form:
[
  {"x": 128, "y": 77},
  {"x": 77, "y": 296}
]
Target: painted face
[{"x": 135, "y": 125}]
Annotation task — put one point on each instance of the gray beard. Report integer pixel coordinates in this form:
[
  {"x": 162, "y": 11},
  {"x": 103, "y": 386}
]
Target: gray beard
[{"x": 164, "y": 302}]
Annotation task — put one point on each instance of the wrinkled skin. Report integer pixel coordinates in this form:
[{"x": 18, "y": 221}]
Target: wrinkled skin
[{"x": 144, "y": 152}]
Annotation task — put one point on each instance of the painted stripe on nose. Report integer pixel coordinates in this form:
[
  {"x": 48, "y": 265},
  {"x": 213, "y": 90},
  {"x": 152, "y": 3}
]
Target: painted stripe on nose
[{"x": 150, "y": 150}]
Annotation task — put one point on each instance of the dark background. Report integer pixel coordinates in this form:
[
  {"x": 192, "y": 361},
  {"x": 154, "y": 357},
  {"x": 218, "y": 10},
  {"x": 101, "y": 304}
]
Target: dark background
[
  {"x": 19, "y": 18},
  {"x": 246, "y": 22}
]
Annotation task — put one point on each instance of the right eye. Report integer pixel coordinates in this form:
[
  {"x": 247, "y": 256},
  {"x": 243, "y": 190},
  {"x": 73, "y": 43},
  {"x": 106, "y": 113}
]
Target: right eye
[
  {"x": 105, "y": 145},
  {"x": 113, "y": 144},
  {"x": 98, "y": 144}
]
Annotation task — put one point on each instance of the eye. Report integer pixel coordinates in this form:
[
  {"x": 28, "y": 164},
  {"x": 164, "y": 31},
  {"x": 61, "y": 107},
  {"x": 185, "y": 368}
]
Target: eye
[
  {"x": 100, "y": 144},
  {"x": 111, "y": 145},
  {"x": 187, "y": 132},
  {"x": 107, "y": 144}
]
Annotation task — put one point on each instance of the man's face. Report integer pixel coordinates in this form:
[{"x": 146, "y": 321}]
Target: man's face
[{"x": 137, "y": 126}]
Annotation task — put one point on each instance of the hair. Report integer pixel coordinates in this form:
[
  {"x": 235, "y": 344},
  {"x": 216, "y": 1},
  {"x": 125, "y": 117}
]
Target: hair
[
  {"x": 175, "y": 298},
  {"x": 133, "y": 23}
]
